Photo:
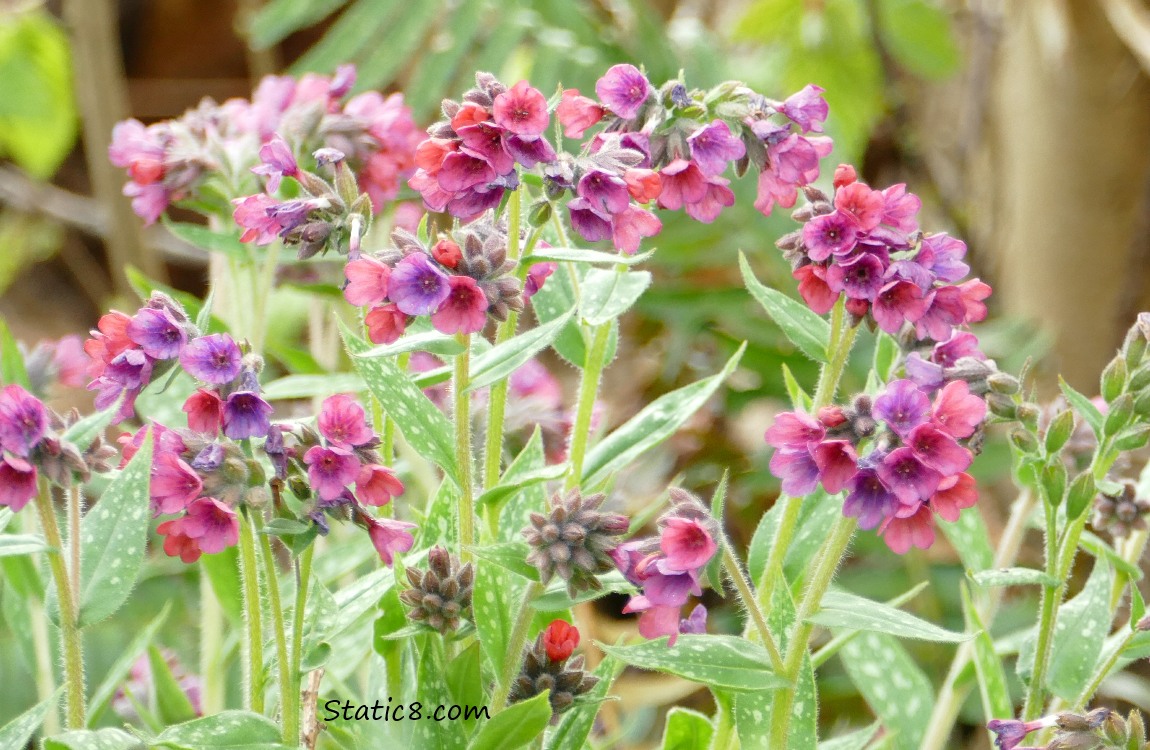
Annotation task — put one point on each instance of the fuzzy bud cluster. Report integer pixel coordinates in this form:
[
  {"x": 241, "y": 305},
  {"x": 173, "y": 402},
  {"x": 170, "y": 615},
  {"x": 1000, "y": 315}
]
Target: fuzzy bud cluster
[
  {"x": 549, "y": 665},
  {"x": 439, "y": 597},
  {"x": 575, "y": 540}
]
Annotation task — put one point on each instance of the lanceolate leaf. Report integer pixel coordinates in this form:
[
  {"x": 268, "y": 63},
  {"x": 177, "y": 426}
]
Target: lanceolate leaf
[
  {"x": 721, "y": 661},
  {"x": 992, "y": 684},
  {"x": 892, "y": 684},
  {"x": 100, "y": 739},
  {"x": 428, "y": 341},
  {"x": 20, "y": 544},
  {"x": 840, "y": 609},
  {"x": 16, "y": 733},
  {"x": 970, "y": 539},
  {"x": 1083, "y": 623},
  {"x": 503, "y": 359},
  {"x": 515, "y": 726},
  {"x": 12, "y": 370},
  {"x": 1011, "y": 577},
  {"x": 230, "y": 730},
  {"x": 853, "y": 741},
  {"x": 1083, "y": 406},
  {"x": 494, "y": 602},
  {"x": 804, "y": 327},
  {"x": 113, "y": 536},
  {"x": 119, "y": 670},
  {"x": 651, "y": 426},
  {"x": 607, "y": 294},
  {"x": 219, "y": 242}
]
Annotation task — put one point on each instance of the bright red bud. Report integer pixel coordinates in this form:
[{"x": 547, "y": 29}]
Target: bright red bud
[{"x": 560, "y": 640}]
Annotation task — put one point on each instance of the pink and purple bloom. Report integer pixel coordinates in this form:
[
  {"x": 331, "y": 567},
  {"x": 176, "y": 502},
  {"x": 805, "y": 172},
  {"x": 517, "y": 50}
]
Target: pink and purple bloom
[
  {"x": 713, "y": 146},
  {"x": 174, "y": 484},
  {"x": 209, "y": 526},
  {"x": 157, "y": 333},
  {"x": 17, "y": 482},
  {"x": 417, "y": 287},
  {"x": 246, "y": 415},
  {"x": 464, "y": 310},
  {"x": 215, "y": 358},
  {"x": 276, "y": 162},
  {"x": 623, "y": 89},
  {"x": 330, "y": 470},
  {"x": 390, "y": 537},
  {"x": 343, "y": 422},
  {"x": 23, "y": 420},
  {"x": 377, "y": 485}
]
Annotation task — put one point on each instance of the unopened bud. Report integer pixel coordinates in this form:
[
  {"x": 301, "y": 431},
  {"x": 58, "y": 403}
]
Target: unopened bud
[
  {"x": 1004, "y": 383},
  {"x": 814, "y": 195},
  {"x": 789, "y": 241},
  {"x": 539, "y": 213},
  {"x": 1001, "y": 406},
  {"x": 1143, "y": 325},
  {"x": 1028, "y": 414},
  {"x": 1139, "y": 379},
  {"x": 1080, "y": 495},
  {"x": 313, "y": 184},
  {"x": 1113, "y": 379},
  {"x": 1143, "y": 625},
  {"x": 1024, "y": 441},
  {"x": 803, "y": 213},
  {"x": 1059, "y": 431},
  {"x": 1114, "y": 728},
  {"x": 1069, "y": 722},
  {"x": 1133, "y": 438},
  {"x": 1054, "y": 481},
  {"x": 300, "y": 488},
  {"x": 1121, "y": 409},
  {"x": 1134, "y": 347}
]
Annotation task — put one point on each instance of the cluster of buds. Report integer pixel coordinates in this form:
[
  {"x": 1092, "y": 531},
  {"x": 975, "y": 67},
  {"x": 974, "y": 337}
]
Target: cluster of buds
[
  {"x": 32, "y": 444},
  {"x": 668, "y": 568},
  {"x": 439, "y": 597},
  {"x": 549, "y": 665},
  {"x": 901, "y": 458},
  {"x": 866, "y": 244},
  {"x": 459, "y": 284},
  {"x": 181, "y": 159},
  {"x": 1100, "y": 729},
  {"x": 1120, "y": 512},
  {"x": 575, "y": 540}
]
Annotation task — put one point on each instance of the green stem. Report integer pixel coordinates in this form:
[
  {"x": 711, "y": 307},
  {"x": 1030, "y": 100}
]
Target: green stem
[
  {"x": 462, "y": 414},
  {"x": 264, "y": 283},
  {"x": 736, "y": 574},
  {"x": 829, "y": 558},
  {"x": 588, "y": 392},
  {"x": 292, "y": 698},
  {"x": 249, "y": 574},
  {"x": 211, "y": 647},
  {"x": 279, "y": 626},
  {"x": 516, "y": 642},
  {"x": 70, "y": 636}
]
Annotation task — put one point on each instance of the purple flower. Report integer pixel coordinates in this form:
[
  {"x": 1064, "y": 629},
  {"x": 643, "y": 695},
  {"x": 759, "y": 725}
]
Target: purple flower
[
  {"x": 696, "y": 622},
  {"x": 835, "y": 233},
  {"x": 157, "y": 333},
  {"x": 1009, "y": 733},
  {"x": 713, "y": 146},
  {"x": 389, "y": 536},
  {"x": 17, "y": 482},
  {"x": 529, "y": 150},
  {"x": 943, "y": 254},
  {"x": 606, "y": 192},
  {"x": 464, "y": 310},
  {"x": 246, "y": 415},
  {"x": 868, "y": 499},
  {"x": 807, "y": 108},
  {"x": 343, "y": 422},
  {"x": 911, "y": 481},
  {"x": 591, "y": 224},
  {"x": 623, "y": 90},
  {"x": 943, "y": 309},
  {"x": 214, "y": 358},
  {"x": 251, "y": 213},
  {"x": 462, "y": 170},
  {"x": 23, "y": 420},
  {"x": 797, "y": 470},
  {"x": 961, "y": 344},
  {"x": 861, "y": 277},
  {"x": 898, "y": 301},
  {"x": 330, "y": 470},
  {"x": 487, "y": 142},
  {"x": 211, "y": 458},
  {"x": 664, "y": 585},
  {"x": 416, "y": 286},
  {"x": 902, "y": 406},
  {"x": 276, "y": 160},
  {"x": 536, "y": 276}
]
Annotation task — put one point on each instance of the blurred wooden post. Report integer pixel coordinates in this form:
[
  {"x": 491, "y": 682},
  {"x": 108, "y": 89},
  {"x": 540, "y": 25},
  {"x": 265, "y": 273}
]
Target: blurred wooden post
[{"x": 103, "y": 101}]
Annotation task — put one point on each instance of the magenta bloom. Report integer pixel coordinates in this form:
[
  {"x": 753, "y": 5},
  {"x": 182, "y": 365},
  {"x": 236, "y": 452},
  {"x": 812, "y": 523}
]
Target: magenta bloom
[
  {"x": 683, "y": 184},
  {"x": 716, "y": 196},
  {"x": 174, "y": 484},
  {"x": 521, "y": 110},
  {"x": 461, "y": 171},
  {"x": 908, "y": 478},
  {"x": 915, "y": 530},
  {"x": 1009, "y": 733},
  {"x": 862, "y": 203},
  {"x": 860, "y": 278},
  {"x": 807, "y": 108},
  {"x": 488, "y": 142},
  {"x": 464, "y": 310},
  {"x": 155, "y": 332},
  {"x": 655, "y": 621},
  {"x": 713, "y": 146},
  {"x": 417, "y": 287},
  {"x": 23, "y": 420},
  {"x": 577, "y": 113},
  {"x": 631, "y": 225},
  {"x": 938, "y": 450},
  {"x": 389, "y": 536},
  {"x": 794, "y": 430},
  {"x": 385, "y": 324},
  {"x": 367, "y": 282},
  {"x": 376, "y": 485},
  {"x": 837, "y": 463},
  {"x": 536, "y": 276},
  {"x": 251, "y": 213},
  {"x": 901, "y": 209},
  {"x": 791, "y": 163},
  {"x": 343, "y": 422},
  {"x": 530, "y": 150},
  {"x": 205, "y": 410},
  {"x": 814, "y": 288},
  {"x": 957, "y": 410},
  {"x": 624, "y": 90},
  {"x": 973, "y": 294},
  {"x": 591, "y": 224},
  {"x": 214, "y": 358},
  {"x": 696, "y": 622},
  {"x": 605, "y": 191},
  {"x": 797, "y": 470},
  {"x": 902, "y": 406},
  {"x": 17, "y": 482},
  {"x": 686, "y": 543},
  {"x": 662, "y": 585},
  {"x": 898, "y": 301},
  {"x": 830, "y": 234},
  {"x": 330, "y": 470},
  {"x": 943, "y": 309},
  {"x": 246, "y": 415},
  {"x": 212, "y": 525},
  {"x": 868, "y": 499},
  {"x": 276, "y": 160},
  {"x": 954, "y": 493}
]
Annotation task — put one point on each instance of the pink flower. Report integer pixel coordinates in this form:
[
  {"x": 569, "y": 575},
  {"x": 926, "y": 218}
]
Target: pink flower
[
  {"x": 17, "y": 482},
  {"x": 807, "y": 108},
  {"x": 830, "y": 234},
  {"x": 108, "y": 340},
  {"x": 901, "y": 208},
  {"x": 277, "y": 160},
  {"x": 644, "y": 185},
  {"x": 943, "y": 309},
  {"x": 973, "y": 294},
  {"x": 205, "y": 410},
  {"x": 716, "y": 196},
  {"x": 957, "y": 410},
  {"x": 343, "y": 422},
  {"x": 174, "y": 484},
  {"x": 385, "y": 324},
  {"x": 862, "y": 203},
  {"x": 658, "y": 621},
  {"x": 837, "y": 463},
  {"x": 330, "y": 470},
  {"x": 814, "y": 289},
  {"x": 794, "y": 430},
  {"x": 389, "y": 536},
  {"x": 376, "y": 485},
  {"x": 686, "y": 543},
  {"x": 791, "y": 163},
  {"x": 366, "y": 281},
  {"x": 251, "y": 213},
  {"x": 631, "y": 225},
  {"x": 624, "y": 90},
  {"x": 898, "y": 301},
  {"x": 797, "y": 470},
  {"x": 683, "y": 183},
  {"x": 464, "y": 310},
  {"x": 209, "y": 526},
  {"x": 577, "y": 113},
  {"x": 954, "y": 493},
  {"x": 916, "y": 530},
  {"x": 23, "y": 420},
  {"x": 938, "y": 450},
  {"x": 521, "y": 110},
  {"x": 461, "y": 171},
  {"x": 537, "y": 275},
  {"x": 469, "y": 114}
]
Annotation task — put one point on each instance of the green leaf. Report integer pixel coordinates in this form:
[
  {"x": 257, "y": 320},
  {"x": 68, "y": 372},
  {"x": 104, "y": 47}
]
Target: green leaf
[
  {"x": 428, "y": 341},
  {"x": 893, "y": 685},
  {"x": 917, "y": 35},
  {"x": 21, "y": 544},
  {"x": 432, "y": 692},
  {"x": 805, "y": 328},
  {"x": 225, "y": 243},
  {"x": 172, "y": 704},
  {"x": 439, "y": 520},
  {"x": 817, "y": 512},
  {"x": 607, "y": 294},
  {"x": 399, "y": 41},
  {"x": 423, "y": 425},
  {"x": 279, "y": 19},
  {"x": 83, "y": 431},
  {"x": 556, "y": 598},
  {"x": 721, "y": 661},
  {"x": 571, "y": 734},
  {"x": 1082, "y": 626},
  {"x": 1082, "y": 405},
  {"x": 503, "y": 359},
  {"x": 118, "y": 672},
  {"x": 464, "y": 678},
  {"x": 233, "y": 730},
  {"x": 578, "y": 255},
  {"x": 555, "y": 298},
  {"x": 12, "y": 371},
  {"x": 16, "y": 733},
  {"x": 115, "y": 534},
  {"x": 686, "y": 729},
  {"x": 840, "y": 609},
  {"x": 651, "y": 426},
  {"x": 511, "y": 556},
  {"x": 515, "y": 726},
  {"x": 99, "y": 739},
  {"x": 992, "y": 684},
  {"x": 970, "y": 539},
  {"x": 886, "y": 351},
  {"x": 799, "y": 398},
  {"x": 1098, "y": 548},
  {"x": 854, "y": 741},
  {"x": 504, "y": 490},
  {"x": 314, "y": 386},
  {"x": 222, "y": 571},
  {"x": 1012, "y": 577},
  {"x": 495, "y": 599}
]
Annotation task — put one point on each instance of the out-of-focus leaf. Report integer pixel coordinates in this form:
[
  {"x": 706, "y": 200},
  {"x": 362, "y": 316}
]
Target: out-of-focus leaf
[
  {"x": 503, "y": 359},
  {"x": 805, "y": 328},
  {"x": 406, "y": 32},
  {"x": 99, "y": 739},
  {"x": 1078, "y": 635},
  {"x": 917, "y": 34},
  {"x": 1011, "y": 577},
  {"x": 515, "y": 726},
  {"x": 992, "y": 684},
  {"x": 16, "y": 733},
  {"x": 118, "y": 672},
  {"x": 686, "y": 729},
  {"x": 278, "y": 19},
  {"x": 12, "y": 371},
  {"x": 361, "y": 24},
  {"x": 970, "y": 539}
]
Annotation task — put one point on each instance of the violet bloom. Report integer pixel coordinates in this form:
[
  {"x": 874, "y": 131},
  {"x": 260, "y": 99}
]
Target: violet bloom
[
  {"x": 376, "y": 485},
  {"x": 860, "y": 278},
  {"x": 791, "y": 163},
  {"x": 807, "y": 108},
  {"x": 487, "y": 142},
  {"x": 521, "y": 109},
  {"x": 461, "y": 171},
  {"x": 901, "y": 208},
  {"x": 696, "y": 622},
  {"x": 915, "y": 530},
  {"x": 23, "y": 420},
  {"x": 416, "y": 286},
  {"x": 835, "y": 233},
  {"x": 252, "y": 214},
  {"x": 343, "y": 422},
  {"x": 902, "y": 406},
  {"x": 683, "y": 184},
  {"x": 686, "y": 543},
  {"x": 953, "y": 494},
  {"x": 385, "y": 324},
  {"x": 862, "y": 203},
  {"x": 1009, "y": 733},
  {"x": 214, "y": 358},
  {"x": 943, "y": 254},
  {"x": 464, "y": 310},
  {"x": 246, "y": 415},
  {"x": 211, "y": 458},
  {"x": 212, "y": 525},
  {"x": 276, "y": 160},
  {"x": 530, "y": 150},
  {"x": 605, "y": 191},
  {"x": 205, "y": 410},
  {"x": 624, "y": 90},
  {"x": 631, "y": 225},
  {"x": 716, "y": 196},
  {"x": 868, "y": 499},
  {"x": 655, "y": 621},
  {"x": 938, "y": 450},
  {"x": 943, "y": 309},
  {"x": 797, "y": 470},
  {"x": 536, "y": 276},
  {"x": 591, "y": 224},
  {"x": 157, "y": 333},
  {"x": 367, "y": 281},
  {"x": 17, "y": 482},
  {"x": 957, "y": 411},
  {"x": 714, "y": 146},
  {"x": 908, "y": 478},
  {"x": 174, "y": 484},
  {"x": 926, "y": 374},
  {"x": 389, "y": 537},
  {"x": 837, "y": 463},
  {"x": 330, "y": 470}
]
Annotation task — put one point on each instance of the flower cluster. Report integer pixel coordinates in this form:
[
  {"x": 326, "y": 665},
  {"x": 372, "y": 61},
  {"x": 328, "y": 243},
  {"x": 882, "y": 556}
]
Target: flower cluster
[
  {"x": 549, "y": 665},
  {"x": 866, "y": 244},
  {"x": 439, "y": 597},
  {"x": 458, "y": 284},
  {"x": 468, "y": 160},
  {"x": 179, "y": 160},
  {"x": 1099, "y": 729},
  {"x": 917, "y": 450},
  {"x": 575, "y": 541},
  {"x": 668, "y": 568}
]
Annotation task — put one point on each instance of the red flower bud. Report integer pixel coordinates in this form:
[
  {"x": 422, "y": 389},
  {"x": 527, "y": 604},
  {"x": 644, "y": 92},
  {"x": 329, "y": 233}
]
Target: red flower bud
[
  {"x": 447, "y": 253},
  {"x": 560, "y": 640},
  {"x": 832, "y": 416},
  {"x": 844, "y": 175}
]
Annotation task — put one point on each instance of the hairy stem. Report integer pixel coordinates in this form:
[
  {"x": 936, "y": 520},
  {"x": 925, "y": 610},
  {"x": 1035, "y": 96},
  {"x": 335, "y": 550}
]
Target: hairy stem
[
  {"x": 71, "y": 645},
  {"x": 254, "y": 635},
  {"x": 462, "y": 414},
  {"x": 279, "y": 626},
  {"x": 515, "y": 645},
  {"x": 736, "y": 574},
  {"x": 588, "y": 392},
  {"x": 292, "y": 697}
]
